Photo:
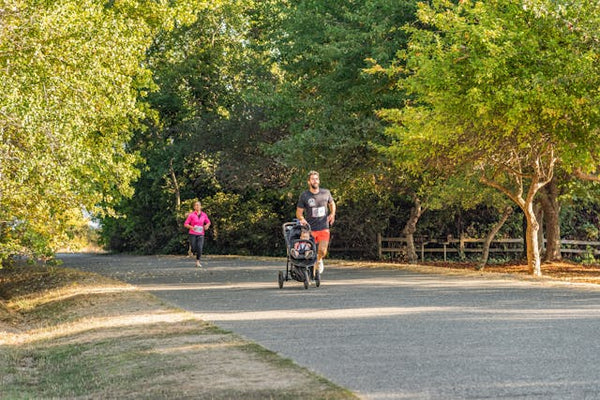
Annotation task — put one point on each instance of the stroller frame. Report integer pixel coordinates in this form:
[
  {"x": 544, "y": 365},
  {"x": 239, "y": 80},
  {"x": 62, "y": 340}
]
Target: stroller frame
[{"x": 298, "y": 269}]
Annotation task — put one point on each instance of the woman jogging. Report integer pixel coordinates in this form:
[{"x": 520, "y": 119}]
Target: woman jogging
[{"x": 197, "y": 222}]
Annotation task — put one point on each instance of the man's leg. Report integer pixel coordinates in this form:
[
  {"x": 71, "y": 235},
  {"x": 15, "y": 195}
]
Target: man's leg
[
  {"x": 322, "y": 240},
  {"x": 323, "y": 245}
]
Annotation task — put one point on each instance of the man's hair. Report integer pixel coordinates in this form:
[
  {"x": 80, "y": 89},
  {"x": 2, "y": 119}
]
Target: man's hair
[{"x": 311, "y": 173}]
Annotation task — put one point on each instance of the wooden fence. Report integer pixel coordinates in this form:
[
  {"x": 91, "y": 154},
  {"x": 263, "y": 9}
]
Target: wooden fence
[{"x": 395, "y": 246}]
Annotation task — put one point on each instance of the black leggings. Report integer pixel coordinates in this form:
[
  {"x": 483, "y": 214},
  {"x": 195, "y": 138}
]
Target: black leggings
[{"x": 197, "y": 243}]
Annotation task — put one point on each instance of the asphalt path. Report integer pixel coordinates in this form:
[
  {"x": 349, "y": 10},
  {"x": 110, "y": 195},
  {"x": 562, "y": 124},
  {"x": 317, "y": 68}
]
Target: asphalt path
[{"x": 392, "y": 334}]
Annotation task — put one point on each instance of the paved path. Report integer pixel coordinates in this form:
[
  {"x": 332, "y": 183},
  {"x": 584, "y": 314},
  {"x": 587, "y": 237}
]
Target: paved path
[{"x": 393, "y": 334}]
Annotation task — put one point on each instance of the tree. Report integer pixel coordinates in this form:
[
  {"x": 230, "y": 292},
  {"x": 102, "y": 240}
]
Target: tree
[
  {"x": 71, "y": 74},
  {"x": 205, "y": 140},
  {"x": 506, "y": 88},
  {"x": 325, "y": 107}
]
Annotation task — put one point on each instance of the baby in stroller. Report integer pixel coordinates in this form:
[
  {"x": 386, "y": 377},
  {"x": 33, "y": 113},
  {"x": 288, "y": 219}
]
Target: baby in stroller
[{"x": 303, "y": 248}]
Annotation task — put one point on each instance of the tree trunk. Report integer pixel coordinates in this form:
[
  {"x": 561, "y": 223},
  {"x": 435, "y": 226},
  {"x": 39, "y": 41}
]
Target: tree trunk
[
  {"x": 175, "y": 186},
  {"x": 543, "y": 170},
  {"x": 461, "y": 247},
  {"x": 409, "y": 230},
  {"x": 551, "y": 206},
  {"x": 524, "y": 233},
  {"x": 539, "y": 217},
  {"x": 533, "y": 248},
  {"x": 411, "y": 251},
  {"x": 488, "y": 240}
]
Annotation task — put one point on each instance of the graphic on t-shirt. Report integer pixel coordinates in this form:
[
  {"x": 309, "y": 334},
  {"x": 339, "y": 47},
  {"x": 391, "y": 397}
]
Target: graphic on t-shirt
[{"x": 312, "y": 202}]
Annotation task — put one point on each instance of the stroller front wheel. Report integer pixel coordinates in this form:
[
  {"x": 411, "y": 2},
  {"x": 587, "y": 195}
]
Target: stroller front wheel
[
  {"x": 306, "y": 279},
  {"x": 280, "y": 280}
]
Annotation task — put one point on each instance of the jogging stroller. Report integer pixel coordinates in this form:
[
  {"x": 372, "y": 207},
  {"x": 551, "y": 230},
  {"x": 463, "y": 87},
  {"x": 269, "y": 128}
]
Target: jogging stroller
[{"x": 301, "y": 255}]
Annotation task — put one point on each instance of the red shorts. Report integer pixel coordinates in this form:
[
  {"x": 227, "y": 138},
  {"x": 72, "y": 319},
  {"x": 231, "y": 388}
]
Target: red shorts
[{"x": 321, "y": 235}]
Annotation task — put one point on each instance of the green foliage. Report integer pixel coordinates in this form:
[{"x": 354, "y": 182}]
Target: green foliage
[
  {"x": 241, "y": 226},
  {"x": 326, "y": 104},
  {"x": 501, "y": 89},
  {"x": 131, "y": 109},
  {"x": 362, "y": 214},
  {"x": 580, "y": 214},
  {"x": 205, "y": 140},
  {"x": 588, "y": 257},
  {"x": 70, "y": 73},
  {"x": 501, "y": 85}
]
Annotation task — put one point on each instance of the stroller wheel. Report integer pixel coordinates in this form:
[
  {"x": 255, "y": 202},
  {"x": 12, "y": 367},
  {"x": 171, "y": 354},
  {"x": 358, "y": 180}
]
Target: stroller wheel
[
  {"x": 306, "y": 279},
  {"x": 280, "y": 280},
  {"x": 317, "y": 279}
]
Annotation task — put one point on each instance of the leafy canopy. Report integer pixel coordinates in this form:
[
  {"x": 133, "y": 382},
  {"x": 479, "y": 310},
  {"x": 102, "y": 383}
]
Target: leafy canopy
[
  {"x": 70, "y": 77},
  {"x": 501, "y": 85}
]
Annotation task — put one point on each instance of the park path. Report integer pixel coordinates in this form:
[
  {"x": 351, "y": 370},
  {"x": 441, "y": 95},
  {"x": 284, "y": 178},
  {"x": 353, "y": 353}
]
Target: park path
[{"x": 392, "y": 334}]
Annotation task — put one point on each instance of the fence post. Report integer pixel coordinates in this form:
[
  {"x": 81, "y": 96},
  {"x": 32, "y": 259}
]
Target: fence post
[
  {"x": 379, "y": 251},
  {"x": 422, "y": 251}
]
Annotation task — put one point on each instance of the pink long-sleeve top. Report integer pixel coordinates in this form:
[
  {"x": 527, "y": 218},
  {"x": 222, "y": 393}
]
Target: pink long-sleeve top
[{"x": 197, "y": 222}]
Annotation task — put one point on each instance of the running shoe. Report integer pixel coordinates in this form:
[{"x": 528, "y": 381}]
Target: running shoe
[{"x": 321, "y": 267}]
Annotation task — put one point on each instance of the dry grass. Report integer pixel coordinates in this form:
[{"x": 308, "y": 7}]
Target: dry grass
[
  {"x": 75, "y": 335},
  {"x": 564, "y": 271}
]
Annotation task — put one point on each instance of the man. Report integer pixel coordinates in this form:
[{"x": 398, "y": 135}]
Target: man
[{"x": 320, "y": 214}]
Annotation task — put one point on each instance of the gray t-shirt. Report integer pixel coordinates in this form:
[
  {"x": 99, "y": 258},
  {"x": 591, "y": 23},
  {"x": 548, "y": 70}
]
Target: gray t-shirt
[{"x": 317, "y": 208}]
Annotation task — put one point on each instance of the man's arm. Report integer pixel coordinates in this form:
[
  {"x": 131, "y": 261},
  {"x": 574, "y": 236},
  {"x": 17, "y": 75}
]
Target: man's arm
[
  {"x": 332, "y": 210},
  {"x": 300, "y": 215}
]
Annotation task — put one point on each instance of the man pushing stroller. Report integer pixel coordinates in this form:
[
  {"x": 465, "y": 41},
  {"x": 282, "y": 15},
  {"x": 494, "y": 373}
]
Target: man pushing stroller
[{"x": 320, "y": 214}]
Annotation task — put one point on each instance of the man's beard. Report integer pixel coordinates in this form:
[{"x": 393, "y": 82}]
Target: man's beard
[{"x": 314, "y": 186}]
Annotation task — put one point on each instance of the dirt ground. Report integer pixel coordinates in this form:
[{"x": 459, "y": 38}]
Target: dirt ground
[{"x": 562, "y": 271}]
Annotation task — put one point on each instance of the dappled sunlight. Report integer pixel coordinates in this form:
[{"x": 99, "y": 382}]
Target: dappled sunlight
[
  {"x": 208, "y": 286},
  {"x": 273, "y": 285},
  {"x": 29, "y": 303},
  {"x": 304, "y": 314},
  {"x": 87, "y": 324},
  {"x": 395, "y": 281},
  {"x": 396, "y": 395},
  {"x": 421, "y": 282},
  {"x": 378, "y": 324},
  {"x": 466, "y": 313}
]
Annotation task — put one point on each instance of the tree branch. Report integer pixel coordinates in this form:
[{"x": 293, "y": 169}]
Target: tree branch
[
  {"x": 585, "y": 176},
  {"x": 517, "y": 198}
]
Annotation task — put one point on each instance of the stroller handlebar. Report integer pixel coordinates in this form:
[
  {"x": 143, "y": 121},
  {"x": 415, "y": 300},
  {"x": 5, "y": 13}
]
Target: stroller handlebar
[{"x": 296, "y": 222}]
